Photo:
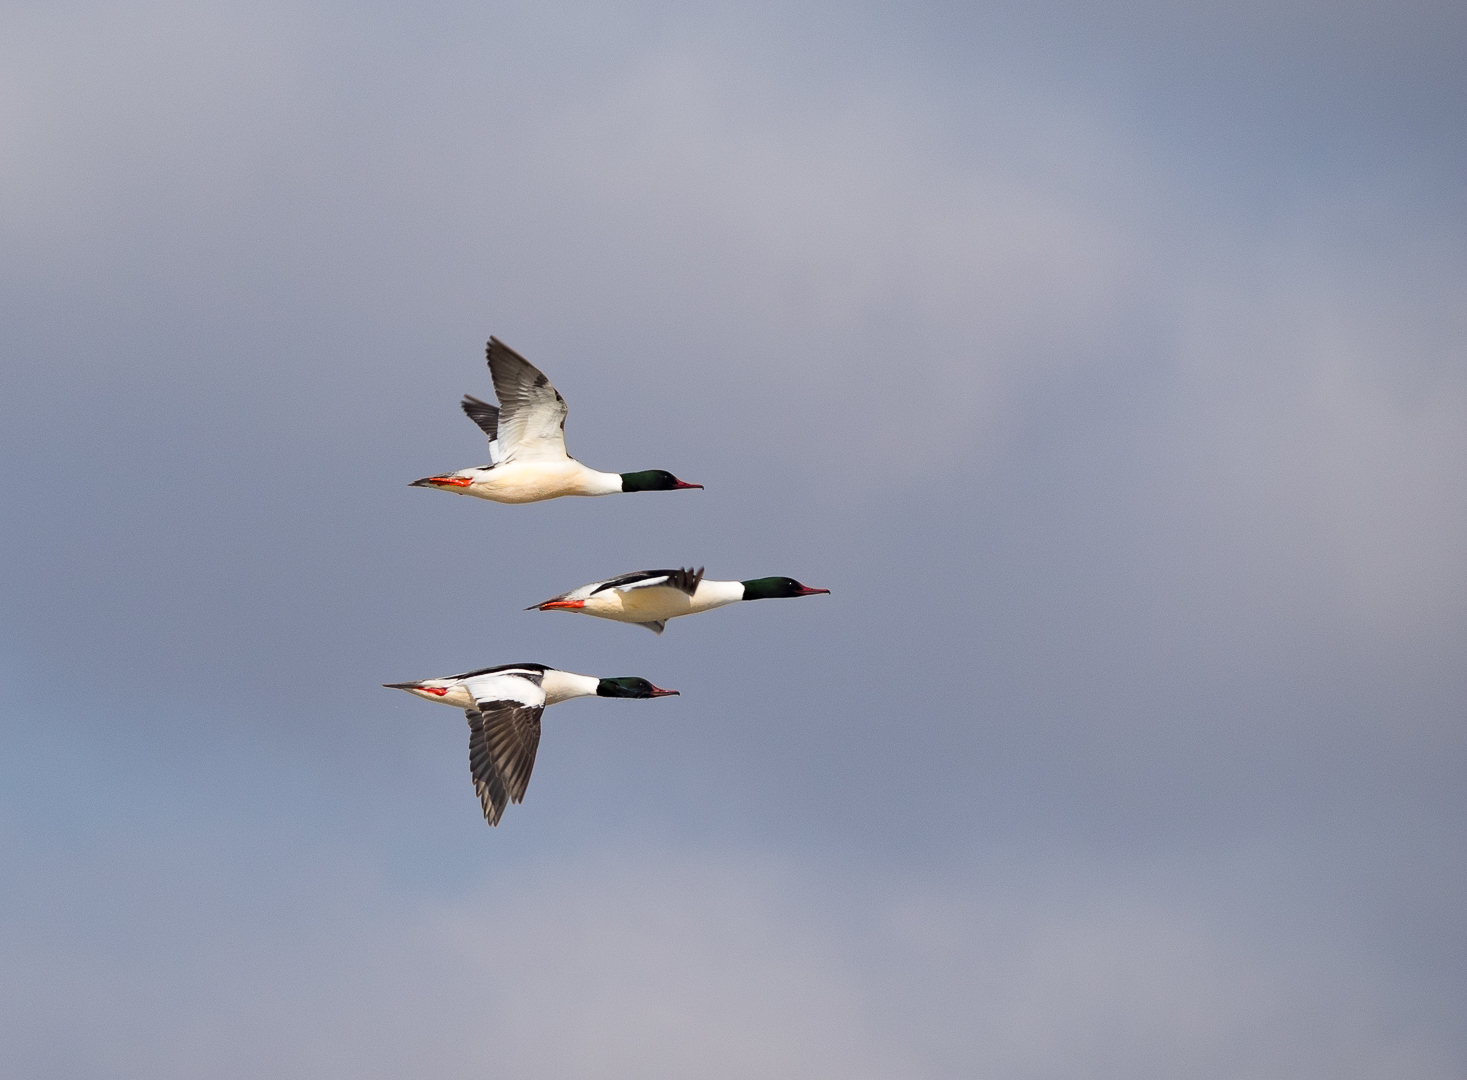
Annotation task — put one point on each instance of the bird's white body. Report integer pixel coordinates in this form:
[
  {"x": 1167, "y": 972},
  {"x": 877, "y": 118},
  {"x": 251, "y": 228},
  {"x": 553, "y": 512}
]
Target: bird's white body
[
  {"x": 657, "y": 603},
  {"x": 530, "y": 481},
  {"x": 650, "y": 597},
  {"x": 461, "y": 692}
]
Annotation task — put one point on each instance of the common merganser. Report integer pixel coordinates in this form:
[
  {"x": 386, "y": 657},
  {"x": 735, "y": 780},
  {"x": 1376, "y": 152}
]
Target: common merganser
[
  {"x": 527, "y": 458},
  {"x": 650, "y": 597},
  {"x": 503, "y": 705}
]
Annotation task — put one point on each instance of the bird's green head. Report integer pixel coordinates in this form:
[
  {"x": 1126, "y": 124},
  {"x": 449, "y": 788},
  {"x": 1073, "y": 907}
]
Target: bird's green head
[
  {"x": 776, "y": 588},
  {"x": 630, "y": 686},
  {"x": 653, "y": 480}
]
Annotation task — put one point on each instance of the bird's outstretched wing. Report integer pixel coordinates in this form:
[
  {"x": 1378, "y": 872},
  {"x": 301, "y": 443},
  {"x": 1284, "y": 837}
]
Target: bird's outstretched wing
[
  {"x": 503, "y": 738},
  {"x": 504, "y": 733},
  {"x": 531, "y": 423}
]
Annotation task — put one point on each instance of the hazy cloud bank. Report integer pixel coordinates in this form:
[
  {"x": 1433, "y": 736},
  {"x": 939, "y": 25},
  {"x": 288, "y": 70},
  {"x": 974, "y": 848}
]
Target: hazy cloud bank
[{"x": 1112, "y": 379}]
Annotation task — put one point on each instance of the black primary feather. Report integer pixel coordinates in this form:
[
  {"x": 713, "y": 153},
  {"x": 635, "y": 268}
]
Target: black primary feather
[
  {"x": 483, "y": 414},
  {"x": 686, "y": 580}
]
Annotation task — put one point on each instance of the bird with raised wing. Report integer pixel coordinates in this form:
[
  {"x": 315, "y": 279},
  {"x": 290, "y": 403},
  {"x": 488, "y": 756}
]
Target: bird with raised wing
[
  {"x": 650, "y": 597},
  {"x": 503, "y": 705},
  {"x": 527, "y": 457}
]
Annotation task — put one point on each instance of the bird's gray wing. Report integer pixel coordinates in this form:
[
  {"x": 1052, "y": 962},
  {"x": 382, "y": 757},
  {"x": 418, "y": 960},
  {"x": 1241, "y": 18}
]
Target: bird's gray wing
[
  {"x": 483, "y": 414},
  {"x": 487, "y": 782},
  {"x": 487, "y": 417},
  {"x": 531, "y": 411},
  {"x": 686, "y": 580},
  {"x": 503, "y": 738}
]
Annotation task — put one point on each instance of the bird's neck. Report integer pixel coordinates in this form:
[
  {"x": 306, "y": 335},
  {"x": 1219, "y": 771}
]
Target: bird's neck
[
  {"x": 564, "y": 685},
  {"x": 594, "y": 482},
  {"x": 712, "y": 594}
]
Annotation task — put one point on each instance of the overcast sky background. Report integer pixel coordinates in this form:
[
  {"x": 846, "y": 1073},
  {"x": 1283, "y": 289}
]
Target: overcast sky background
[{"x": 1107, "y": 363}]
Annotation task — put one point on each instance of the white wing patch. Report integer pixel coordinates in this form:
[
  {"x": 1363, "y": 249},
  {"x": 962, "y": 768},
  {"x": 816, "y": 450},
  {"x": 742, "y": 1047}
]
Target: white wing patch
[
  {"x": 645, "y": 583},
  {"x": 505, "y": 686}
]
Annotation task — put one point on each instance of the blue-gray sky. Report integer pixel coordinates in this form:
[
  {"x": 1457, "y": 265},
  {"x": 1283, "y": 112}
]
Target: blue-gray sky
[{"x": 1107, "y": 363}]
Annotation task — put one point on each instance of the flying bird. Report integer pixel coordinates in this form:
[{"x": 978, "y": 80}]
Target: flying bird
[
  {"x": 527, "y": 458},
  {"x": 503, "y": 705},
  {"x": 650, "y": 597}
]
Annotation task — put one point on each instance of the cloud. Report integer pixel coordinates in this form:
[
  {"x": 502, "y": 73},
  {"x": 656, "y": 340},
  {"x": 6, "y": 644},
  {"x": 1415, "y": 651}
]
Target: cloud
[
  {"x": 1324, "y": 374},
  {"x": 845, "y": 260},
  {"x": 660, "y": 963},
  {"x": 1133, "y": 457}
]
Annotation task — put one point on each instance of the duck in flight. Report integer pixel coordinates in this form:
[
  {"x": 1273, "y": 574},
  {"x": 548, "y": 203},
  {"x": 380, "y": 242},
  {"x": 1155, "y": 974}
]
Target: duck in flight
[
  {"x": 527, "y": 458},
  {"x": 503, "y": 705},
  {"x": 650, "y": 597}
]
